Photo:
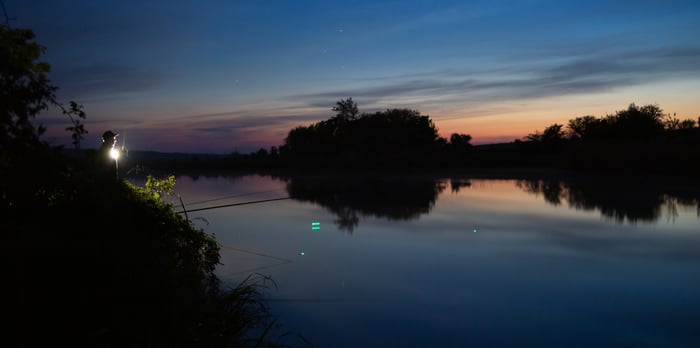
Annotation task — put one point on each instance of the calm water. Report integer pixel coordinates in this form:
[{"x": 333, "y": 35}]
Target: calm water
[{"x": 414, "y": 261}]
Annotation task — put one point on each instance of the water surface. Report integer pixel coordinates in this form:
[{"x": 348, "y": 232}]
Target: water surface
[{"x": 459, "y": 261}]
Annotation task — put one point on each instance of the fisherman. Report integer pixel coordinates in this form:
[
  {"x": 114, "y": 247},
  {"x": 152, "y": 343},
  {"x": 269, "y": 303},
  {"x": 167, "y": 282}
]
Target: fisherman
[
  {"x": 105, "y": 154},
  {"x": 109, "y": 139}
]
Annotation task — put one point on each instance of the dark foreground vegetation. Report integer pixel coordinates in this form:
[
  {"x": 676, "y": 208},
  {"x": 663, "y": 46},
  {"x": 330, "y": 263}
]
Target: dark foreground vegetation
[
  {"x": 92, "y": 260},
  {"x": 639, "y": 139}
]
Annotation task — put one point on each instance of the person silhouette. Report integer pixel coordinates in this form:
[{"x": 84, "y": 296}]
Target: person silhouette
[
  {"x": 106, "y": 152},
  {"x": 109, "y": 139}
]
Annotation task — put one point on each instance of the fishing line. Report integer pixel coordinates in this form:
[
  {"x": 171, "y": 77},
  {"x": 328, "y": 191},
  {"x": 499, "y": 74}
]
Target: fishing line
[
  {"x": 250, "y": 270},
  {"x": 234, "y": 204},
  {"x": 317, "y": 300},
  {"x": 283, "y": 261},
  {"x": 234, "y": 196},
  {"x": 256, "y": 253}
]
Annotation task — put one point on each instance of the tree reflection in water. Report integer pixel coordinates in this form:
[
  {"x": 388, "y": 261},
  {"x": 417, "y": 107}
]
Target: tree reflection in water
[
  {"x": 391, "y": 197},
  {"x": 629, "y": 200},
  {"x": 351, "y": 196}
]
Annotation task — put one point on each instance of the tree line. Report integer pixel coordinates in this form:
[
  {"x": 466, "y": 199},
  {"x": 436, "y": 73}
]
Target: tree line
[
  {"x": 395, "y": 137},
  {"x": 390, "y": 137},
  {"x": 636, "y": 138},
  {"x": 636, "y": 123}
]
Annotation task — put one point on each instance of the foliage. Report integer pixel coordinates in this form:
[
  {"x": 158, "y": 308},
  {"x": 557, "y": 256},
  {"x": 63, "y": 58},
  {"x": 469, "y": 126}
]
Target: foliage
[
  {"x": 346, "y": 109},
  {"x": 75, "y": 113},
  {"x": 584, "y": 127},
  {"x": 634, "y": 123},
  {"x": 132, "y": 271},
  {"x": 671, "y": 122},
  {"x": 460, "y": 140},
  {"x": 459, "y": 143},
  {"x": 637, "y": 122},
  {"x": 636, "y": 138},
  {"x": 390, "y": 136},
  {"x": 25, "y": 89},
  {"x": 550, "y": 135},
  {"x": 160, "y": 187},
  {"x": 94, "y": 261}
]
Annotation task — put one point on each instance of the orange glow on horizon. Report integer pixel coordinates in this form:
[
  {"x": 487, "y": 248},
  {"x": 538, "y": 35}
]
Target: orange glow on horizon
[{"x": 496, "y": 124}]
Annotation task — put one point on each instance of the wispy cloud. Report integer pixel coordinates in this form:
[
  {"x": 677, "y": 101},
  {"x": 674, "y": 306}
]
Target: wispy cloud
[
  {"x": 559, "y": 77},
  {"x": 105, "y": 79}
]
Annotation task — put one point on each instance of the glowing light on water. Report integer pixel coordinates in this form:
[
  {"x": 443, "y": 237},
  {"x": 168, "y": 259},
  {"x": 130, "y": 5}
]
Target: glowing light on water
[{"x": 315, "y": 225}]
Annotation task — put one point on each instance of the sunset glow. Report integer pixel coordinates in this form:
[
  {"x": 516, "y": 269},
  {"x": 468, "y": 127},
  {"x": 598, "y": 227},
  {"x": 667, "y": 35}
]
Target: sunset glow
[{"x": 237, "y": 76}]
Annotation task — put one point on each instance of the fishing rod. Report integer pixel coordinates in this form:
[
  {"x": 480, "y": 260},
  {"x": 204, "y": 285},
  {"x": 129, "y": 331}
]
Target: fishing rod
[
  {"x": 234, "y": 196},
  {"x": 4, "y": 12},
  {"x": 234, "y": 204}
]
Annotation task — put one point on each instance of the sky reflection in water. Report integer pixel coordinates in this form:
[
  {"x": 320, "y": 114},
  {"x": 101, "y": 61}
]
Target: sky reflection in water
[{"x": 462, "y": 262}]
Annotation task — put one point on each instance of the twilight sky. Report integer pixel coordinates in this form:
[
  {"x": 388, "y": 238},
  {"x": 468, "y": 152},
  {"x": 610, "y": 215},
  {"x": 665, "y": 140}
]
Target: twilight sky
[{"x": 224, "y": 76}]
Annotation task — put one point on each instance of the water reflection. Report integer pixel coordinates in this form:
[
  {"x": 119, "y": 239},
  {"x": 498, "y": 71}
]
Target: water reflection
[
  {"x": 621, "y": 200},
  {"x": 395, "y": 197},
  {"x": 367, "y": 195},
  {"x": 482, "y": 261},
  {"x": 457, "y": 184}
]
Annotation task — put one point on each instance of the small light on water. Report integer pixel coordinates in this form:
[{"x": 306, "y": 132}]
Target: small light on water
[
  {"x": 474, "y": 231},
  {"x": 315, "y": 225},
  {"x": 301, "y": 253}
]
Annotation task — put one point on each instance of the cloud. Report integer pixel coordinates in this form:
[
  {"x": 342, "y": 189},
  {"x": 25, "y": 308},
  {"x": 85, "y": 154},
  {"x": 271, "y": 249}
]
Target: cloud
[
  {"x": 254, "y": 122},
  {"x": 560, "y": 76},
  {"x": 104, "y": 79},
  {"x": 214, "y": 136}
]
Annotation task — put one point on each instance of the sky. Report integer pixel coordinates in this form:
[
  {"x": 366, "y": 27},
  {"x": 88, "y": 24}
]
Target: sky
[{"x": 236, "y": 76}]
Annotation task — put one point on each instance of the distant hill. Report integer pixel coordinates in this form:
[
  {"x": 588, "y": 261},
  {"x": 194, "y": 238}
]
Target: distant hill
[{"x": 139, "y": 156}]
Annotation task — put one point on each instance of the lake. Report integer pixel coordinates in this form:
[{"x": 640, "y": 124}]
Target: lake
[{"x": 462, "y": 259}]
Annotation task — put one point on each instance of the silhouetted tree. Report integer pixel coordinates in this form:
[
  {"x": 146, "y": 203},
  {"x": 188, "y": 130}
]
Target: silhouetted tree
[
  {"x": 346, "y": 109},
  {"x": 553, "y": 134},
  {"x": 262, "y": 153},
  {"x": 687, "y": 124},
  {"x": 584, "y": 127},
  {"x": 75, "y": 113},
  {"x": 459, "y": 143},
  {"x": 25, "y": 91},
  {"x": 550, "y": 135},
  {"x": 671, "y": 122},
  {"x": 394, "y": 135},
  {"x": 633, "y": 123},
  {"x": 460, "y": 140},
  {"x": 300, "y": 141},
  {"x": 637, "y": 122}
]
